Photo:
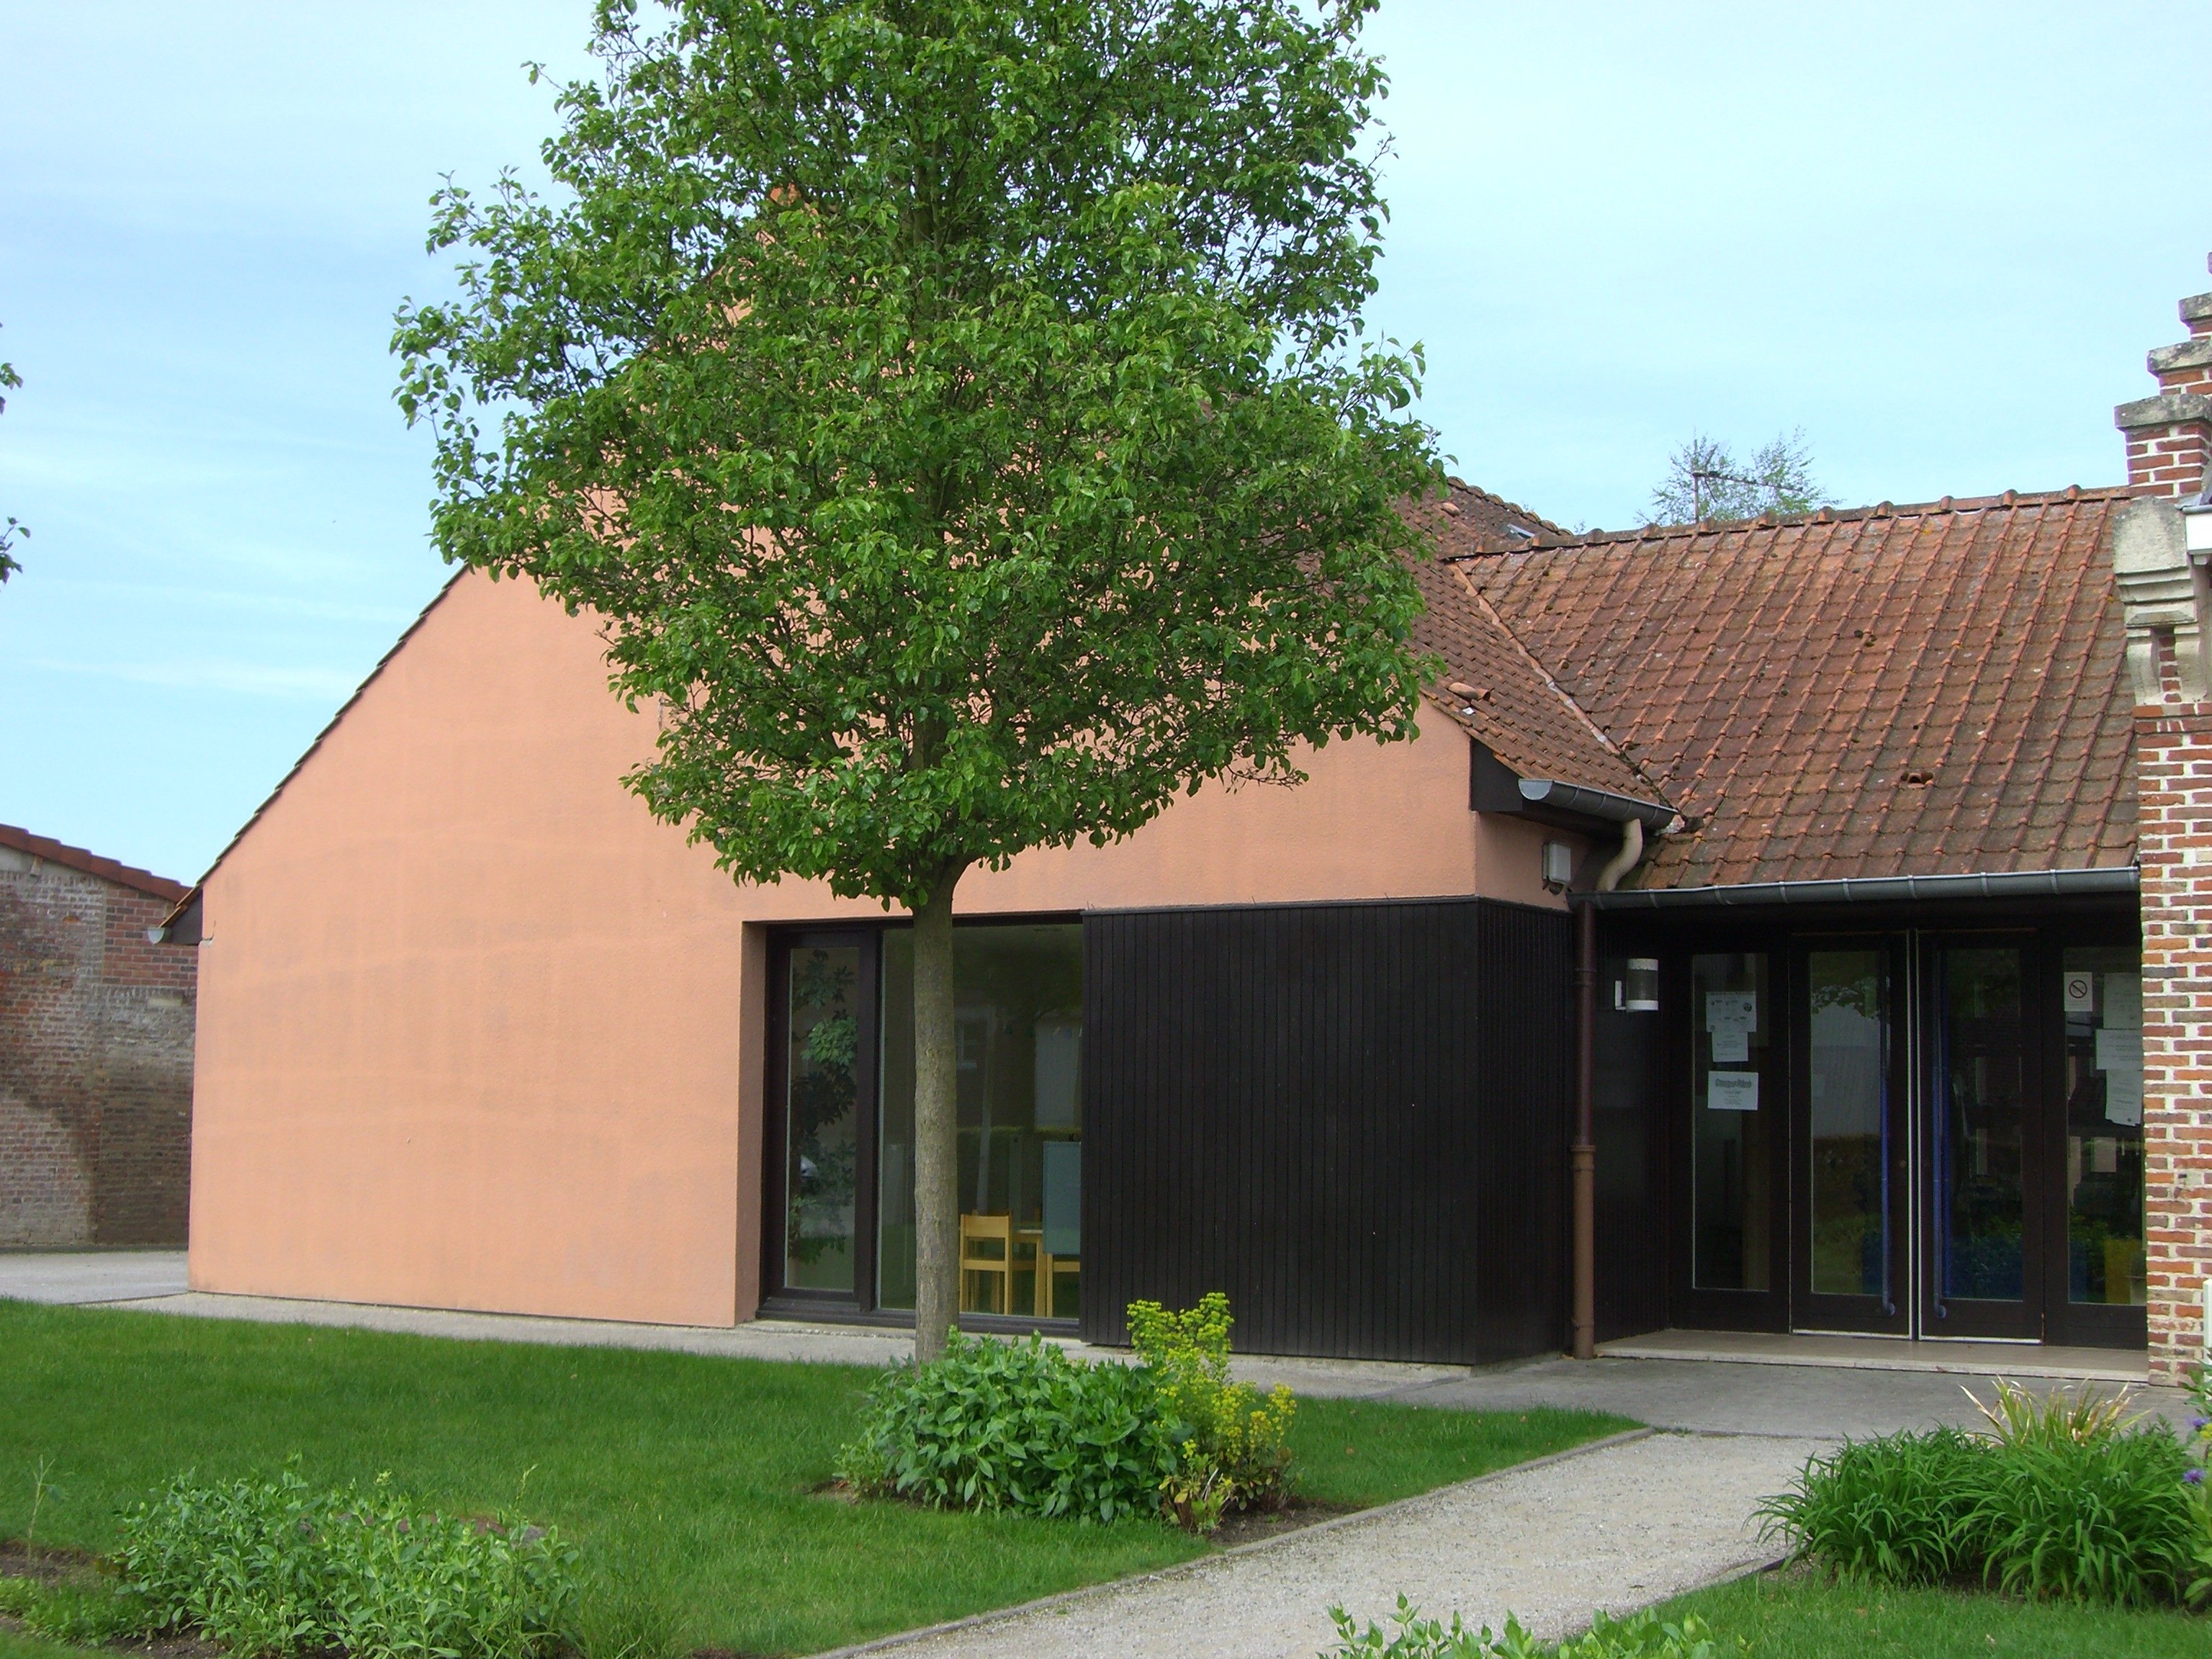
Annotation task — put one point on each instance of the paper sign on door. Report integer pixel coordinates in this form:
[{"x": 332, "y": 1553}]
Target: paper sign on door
[
  {"x": 1730, "y": 1018},
  {"x": 2082, "y": 992},
  {"x": 1732, "y": 1092}
]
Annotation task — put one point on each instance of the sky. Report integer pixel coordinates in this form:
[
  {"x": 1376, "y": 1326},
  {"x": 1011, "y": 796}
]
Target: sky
[{"x": 1938, "y": 238}]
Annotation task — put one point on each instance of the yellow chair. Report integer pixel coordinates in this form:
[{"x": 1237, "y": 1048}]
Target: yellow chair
[
  {"x": 977, "y": 1232},
  {"x": 1049, "y": 1268}
]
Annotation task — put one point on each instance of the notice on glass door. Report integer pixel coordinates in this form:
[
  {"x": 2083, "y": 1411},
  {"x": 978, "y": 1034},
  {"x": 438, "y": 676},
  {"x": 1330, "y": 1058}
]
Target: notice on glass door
[
  {"x": 1730, "y": 1018},
  {"x": 1731, "y": 1092},
  {"x": 2119, "y": 1057}
]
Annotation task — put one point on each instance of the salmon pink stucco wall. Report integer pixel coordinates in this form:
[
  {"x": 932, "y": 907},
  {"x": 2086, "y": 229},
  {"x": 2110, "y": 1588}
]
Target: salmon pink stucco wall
[{"x": 475, "y": 1031}]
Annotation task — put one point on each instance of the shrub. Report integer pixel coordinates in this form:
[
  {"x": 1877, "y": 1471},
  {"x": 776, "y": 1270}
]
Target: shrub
[
  {"x": 1017, "y": 1427},
  {"x": 1643, "y": 1636},
  {"x": 1890, "y": 1509},
  {"x": 2107, "y": 1520},
  {"x": 275, "y": 1567},
  {"x": 2067, "y": 1497},
  {"x": 1232, "y": 1447}
]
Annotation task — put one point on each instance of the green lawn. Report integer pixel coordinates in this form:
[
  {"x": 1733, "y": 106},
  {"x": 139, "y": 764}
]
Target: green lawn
[
  {"x": 1802, "y": 1615},
  {"x": 691, "y": 1484}
]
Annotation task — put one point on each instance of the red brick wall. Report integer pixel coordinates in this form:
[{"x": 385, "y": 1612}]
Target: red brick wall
[
  {"x": 2169, "y": 460},
  {"x": 2174, "y": 772},
  {"x": 95, "y": 1062}
]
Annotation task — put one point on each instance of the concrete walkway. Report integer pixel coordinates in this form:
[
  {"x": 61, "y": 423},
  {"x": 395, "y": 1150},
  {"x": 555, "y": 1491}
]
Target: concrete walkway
[
  {"x": 87, "y": 1276},
  {"x": 1616, "y": 1525},
  {"x": 1617, "y": 1528}
]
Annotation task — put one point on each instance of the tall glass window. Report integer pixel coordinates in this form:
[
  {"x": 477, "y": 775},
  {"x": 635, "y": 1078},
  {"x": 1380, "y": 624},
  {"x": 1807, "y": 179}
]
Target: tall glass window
[
  {"x": 1981, "y": 1129},
  {"x": 1849, "y": 1084},
  {"x": 821, "y": 1107},
  {"x": 2103, "y": 997},
  {"x": 1017, "y": 994},
  {"x": 1732, "y": 1155}
]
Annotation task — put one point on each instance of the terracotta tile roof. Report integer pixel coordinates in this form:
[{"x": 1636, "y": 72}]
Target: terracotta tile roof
[
  {"x": 1492, "y": 685},
  {"x": 1912, "y": 690},
  {"x": 76, "y": 858}
]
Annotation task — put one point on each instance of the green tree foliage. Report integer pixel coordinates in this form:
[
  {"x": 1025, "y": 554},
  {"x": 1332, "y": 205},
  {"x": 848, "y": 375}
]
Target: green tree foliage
[
  {"x": 9, "y": 380},
  {"x": 957, "y": 414},
  {"x": 1706, "y": 483}
]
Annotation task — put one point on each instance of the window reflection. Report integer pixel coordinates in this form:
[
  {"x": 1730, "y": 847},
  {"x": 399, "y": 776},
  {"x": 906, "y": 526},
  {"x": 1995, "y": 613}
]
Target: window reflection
[
  {"x": 822, "y": 1097},
  {"x": 1018, "y": 993},
  {"x": 2103, "y": 1000}
]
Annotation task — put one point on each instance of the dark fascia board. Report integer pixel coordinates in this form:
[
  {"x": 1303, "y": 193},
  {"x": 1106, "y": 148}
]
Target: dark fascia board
[
  {"x": 181, "y": 926},
  {"x": 1878, "y": 889},
  {"x": 1494, "y": 786}
]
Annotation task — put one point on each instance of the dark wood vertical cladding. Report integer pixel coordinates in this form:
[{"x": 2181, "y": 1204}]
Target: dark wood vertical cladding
[
  {"x": 1632, "y": 1264},
  {"x": 1351, "y": 1118}
]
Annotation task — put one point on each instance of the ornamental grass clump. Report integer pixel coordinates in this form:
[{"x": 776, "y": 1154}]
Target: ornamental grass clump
[
  {"x": 276, "y": 1567},
  {"x": 1019, "y": 1426},
  {"x": 2068, "y": 1496}
]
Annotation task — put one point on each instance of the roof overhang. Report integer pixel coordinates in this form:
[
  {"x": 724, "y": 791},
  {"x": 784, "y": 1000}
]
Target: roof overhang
[
  {"x": 1496, "y": 788},
  {"x": 182, "y": 924},
  {"x": 1878, "y": 889}
]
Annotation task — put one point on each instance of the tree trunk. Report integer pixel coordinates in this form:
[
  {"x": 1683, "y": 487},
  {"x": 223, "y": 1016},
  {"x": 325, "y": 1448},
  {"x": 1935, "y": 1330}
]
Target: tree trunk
[{"x": 936, "y": 1127}]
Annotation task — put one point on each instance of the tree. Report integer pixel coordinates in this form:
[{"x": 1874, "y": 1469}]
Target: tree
[
  {"x": 1705, "y": 484},
  {"x": 9, "y": 380},
  {"x": 957, "y": 414}
]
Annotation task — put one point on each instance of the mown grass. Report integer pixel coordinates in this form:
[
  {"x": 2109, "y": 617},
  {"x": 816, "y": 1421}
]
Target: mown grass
[
  {"x": 692, "y": 1485},
  {"x": 15, "y": 1646},
  {"x": 1802, "y": 1614}
]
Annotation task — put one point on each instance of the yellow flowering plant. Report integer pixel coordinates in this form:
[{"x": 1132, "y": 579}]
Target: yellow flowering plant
[{"x": 1233, "y": 1445}]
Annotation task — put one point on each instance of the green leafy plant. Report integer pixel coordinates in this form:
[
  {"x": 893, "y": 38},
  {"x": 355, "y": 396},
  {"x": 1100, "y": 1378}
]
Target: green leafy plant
[
  {"x": 1015, "y": 1426},
  {"x": 1888, "y": 1508},
  {"x": 2107, "y": 1520},
  {"x": 276, "y": 1567},
  {"x": 1642, "y": 1636},
  {"x": 2064, "y": 1499},
  {"x": 83, "y": 1609},
  {"x": 1232, "y": 1446}
]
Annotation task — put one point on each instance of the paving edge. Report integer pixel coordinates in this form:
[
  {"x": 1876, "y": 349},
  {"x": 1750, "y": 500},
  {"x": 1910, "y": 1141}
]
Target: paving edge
[
  {"x": 1932, "y": 1366},
  {"x": 1205, "y": 1562}
]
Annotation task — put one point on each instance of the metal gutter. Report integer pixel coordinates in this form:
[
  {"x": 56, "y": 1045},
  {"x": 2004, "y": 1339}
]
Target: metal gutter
[
  {"x": 1877, "y": 890},
  {"x": 1595, "y": 803}
]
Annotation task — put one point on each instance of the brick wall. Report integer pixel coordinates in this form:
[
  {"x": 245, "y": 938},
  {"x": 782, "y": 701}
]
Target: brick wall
[
  {"x": 2167, "y": 601},
  {"x": 2169, "y": 435},
  {"x": 96, "y": 1061},
  {"x": 2173, "y": 782}
]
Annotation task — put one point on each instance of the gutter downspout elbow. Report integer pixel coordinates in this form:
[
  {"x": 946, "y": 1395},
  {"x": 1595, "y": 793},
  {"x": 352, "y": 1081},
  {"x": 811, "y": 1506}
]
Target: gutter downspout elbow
[
  {"x": 1582, "y": 1157},
  {"x": 1630, "y": 855}
]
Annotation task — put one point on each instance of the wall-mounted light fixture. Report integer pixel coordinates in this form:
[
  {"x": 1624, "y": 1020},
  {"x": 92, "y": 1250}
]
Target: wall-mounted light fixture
[
  {"x": 1559, "y": 866},
  {"x": 1637, "y": 991}
]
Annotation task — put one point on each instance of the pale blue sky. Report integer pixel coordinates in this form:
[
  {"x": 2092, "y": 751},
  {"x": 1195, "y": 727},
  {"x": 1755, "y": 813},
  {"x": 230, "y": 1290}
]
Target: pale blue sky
[{"x": 1939, "y": 237}]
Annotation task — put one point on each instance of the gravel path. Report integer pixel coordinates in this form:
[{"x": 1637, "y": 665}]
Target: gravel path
[{"x": 1630, "y": 1522}]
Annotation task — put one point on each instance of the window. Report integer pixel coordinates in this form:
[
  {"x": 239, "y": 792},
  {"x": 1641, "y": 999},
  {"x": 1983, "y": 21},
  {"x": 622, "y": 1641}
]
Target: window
[{"x": 1018, "y": 993}]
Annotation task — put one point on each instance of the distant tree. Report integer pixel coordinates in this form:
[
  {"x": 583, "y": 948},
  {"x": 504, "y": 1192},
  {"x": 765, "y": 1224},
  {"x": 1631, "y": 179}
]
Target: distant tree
[
  {"x": 9, "y": 381},
  {"x": 1706, "y": 484},
  {"x": 955, "y": 415}
]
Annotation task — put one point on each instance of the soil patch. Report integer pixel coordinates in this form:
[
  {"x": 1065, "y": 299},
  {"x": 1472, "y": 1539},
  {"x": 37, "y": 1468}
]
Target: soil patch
[
  {"x": 1253, "y": 1525},
  {"x": 48, "y": 1564},
  {"x": 63, "y": 1565}
]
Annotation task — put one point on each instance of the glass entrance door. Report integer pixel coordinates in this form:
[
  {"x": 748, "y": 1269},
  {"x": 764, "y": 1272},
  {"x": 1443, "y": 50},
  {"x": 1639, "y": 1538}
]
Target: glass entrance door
[
  {"x": 1984, "y": 1234},
  {"x": 1851, "y": 1171},
  {"x": 1927, "y": 1133}
]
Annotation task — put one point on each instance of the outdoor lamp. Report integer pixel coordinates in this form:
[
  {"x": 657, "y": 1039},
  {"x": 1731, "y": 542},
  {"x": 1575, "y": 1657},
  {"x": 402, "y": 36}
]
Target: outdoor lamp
[{"x": 1637, "y": 992}]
